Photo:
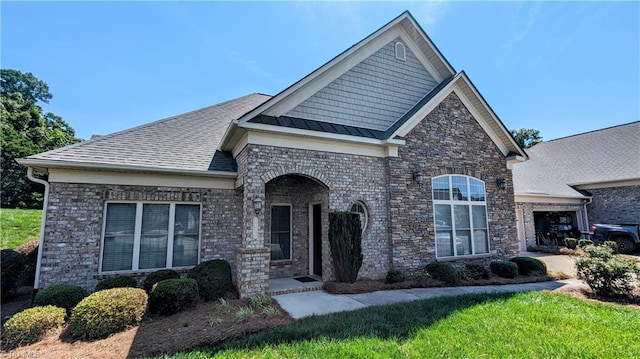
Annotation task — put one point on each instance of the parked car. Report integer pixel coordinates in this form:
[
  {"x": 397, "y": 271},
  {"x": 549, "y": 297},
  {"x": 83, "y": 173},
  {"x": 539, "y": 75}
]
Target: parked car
[{"x": 627, "y": 236}]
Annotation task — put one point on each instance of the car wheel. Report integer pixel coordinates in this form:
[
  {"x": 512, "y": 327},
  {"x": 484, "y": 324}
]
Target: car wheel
[{"x": 625, "y": 245}]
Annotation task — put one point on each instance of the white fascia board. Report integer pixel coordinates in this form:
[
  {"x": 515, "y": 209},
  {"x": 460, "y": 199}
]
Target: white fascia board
[
  {"x": 419, "y": 55},
  {"x": 539, "y": 198},
  {"x": 319, "y": 134},
  {"x": 276, "y": 139},
  {"x": 65, "y": 175},
  {"x": 275, "y": 101},
  {"x": 50, "y": 164},
  {"x": 428, "y": 41}
]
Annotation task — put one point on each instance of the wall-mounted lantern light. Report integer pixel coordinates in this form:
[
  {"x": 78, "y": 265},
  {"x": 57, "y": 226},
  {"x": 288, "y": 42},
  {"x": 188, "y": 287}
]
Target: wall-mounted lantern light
[
  {"x": 257, "y": 204},
  {"x": 418, "y": 176},
  {"x": 501, "y": 183}
]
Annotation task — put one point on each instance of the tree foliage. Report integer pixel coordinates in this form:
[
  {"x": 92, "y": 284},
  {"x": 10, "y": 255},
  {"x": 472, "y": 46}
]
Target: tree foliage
[
  {"x": 345, "y": 240},
  {"x": 26, "y": 130},
  {"x": 526, "y": 137}
]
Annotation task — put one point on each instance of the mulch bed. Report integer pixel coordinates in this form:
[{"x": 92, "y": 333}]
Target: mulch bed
[{"x": 631, "y": 301}]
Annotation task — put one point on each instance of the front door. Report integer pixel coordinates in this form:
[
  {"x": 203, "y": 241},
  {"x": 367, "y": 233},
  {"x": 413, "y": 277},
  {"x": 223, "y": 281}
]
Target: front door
[{"x": 316, "y": 238}]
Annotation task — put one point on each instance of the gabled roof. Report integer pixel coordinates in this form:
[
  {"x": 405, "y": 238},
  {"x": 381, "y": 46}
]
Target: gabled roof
[
  {"x": 183, "y": 143},
  {"x": 592, "y": 159}
]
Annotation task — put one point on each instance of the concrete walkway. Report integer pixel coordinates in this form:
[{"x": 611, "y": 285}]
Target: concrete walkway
[{"x": 319, "y": 302}]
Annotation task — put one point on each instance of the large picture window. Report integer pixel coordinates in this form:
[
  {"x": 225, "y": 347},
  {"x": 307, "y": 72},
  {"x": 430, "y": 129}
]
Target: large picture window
[
  {"x": 280, "y": 232},
  {"x": 140, "y": 236},
  {"x": 460, "y": 215}
]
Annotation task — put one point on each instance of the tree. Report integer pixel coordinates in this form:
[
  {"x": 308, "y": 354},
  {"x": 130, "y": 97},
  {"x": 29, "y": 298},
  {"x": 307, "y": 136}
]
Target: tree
[
  {"x": 26, "y": 130},
  {"x": 526, "y": 137}
]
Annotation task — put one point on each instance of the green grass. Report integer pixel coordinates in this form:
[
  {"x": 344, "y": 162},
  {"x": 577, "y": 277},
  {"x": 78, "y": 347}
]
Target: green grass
[
  {"x": 523, "y": 325},
  {"x": 18, "y": 226}
]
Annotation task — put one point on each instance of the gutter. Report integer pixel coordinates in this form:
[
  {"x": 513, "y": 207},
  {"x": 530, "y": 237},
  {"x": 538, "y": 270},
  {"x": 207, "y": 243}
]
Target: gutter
[
  {"x": 45, "y": 204},
  {"x": 586, "y": 214}
]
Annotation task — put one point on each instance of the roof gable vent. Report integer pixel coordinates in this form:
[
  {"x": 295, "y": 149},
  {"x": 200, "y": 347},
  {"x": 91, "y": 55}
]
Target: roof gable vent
[{"x": 401, "y": 52}]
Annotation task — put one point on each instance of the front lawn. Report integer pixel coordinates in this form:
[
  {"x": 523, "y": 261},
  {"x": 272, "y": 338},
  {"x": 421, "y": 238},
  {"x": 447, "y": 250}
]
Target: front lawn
[
  {"x": 18, "y": 226},
  {"x": 523, "y": 325}
]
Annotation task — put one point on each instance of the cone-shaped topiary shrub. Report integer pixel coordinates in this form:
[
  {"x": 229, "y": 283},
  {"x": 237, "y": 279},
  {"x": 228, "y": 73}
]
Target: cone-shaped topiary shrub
[
  {"x": 30, "y": 325},
  {"x": 171, "y": 296},
  {"x": 107, "y": 312},
  {"x": 120, "y": 281},
  {"x": 213, "y": 277},
  {"x": 60, "y": 295},
  {"x": 443, "y": 271},
  {"x": 345, "y": 240},
  {"x": 529, "y": 266},
  {"x": 157, "y": 276}
]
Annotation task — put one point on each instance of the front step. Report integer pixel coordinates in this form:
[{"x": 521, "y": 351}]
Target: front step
[{"x": 290, "y": 285}]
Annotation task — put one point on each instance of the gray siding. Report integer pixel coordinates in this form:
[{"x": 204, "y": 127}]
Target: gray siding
[{"x": 373, "y": 94}]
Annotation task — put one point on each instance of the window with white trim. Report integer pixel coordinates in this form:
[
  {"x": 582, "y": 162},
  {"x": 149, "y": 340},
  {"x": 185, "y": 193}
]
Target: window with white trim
[
  {"x": 140, "y": 236},
  {"x": 280, "y": 232},
  {"x": 460, "y": 215},
  {"x": 359, "y": 208}
]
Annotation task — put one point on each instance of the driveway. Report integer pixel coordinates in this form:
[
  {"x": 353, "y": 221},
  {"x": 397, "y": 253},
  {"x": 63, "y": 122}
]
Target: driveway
[{"x": 555, "y": 262}]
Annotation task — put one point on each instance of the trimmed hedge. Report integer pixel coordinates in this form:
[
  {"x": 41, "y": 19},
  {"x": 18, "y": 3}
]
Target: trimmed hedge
[
  {"x": 64, "y": 296},
  {"x": 107, "y": 312},
  {"x": 116, "y": 282},
  {"x": 395, "y": 276},
  {"x": 11, "y": 263},
  {"x": 158, "y": 276},
  {"x": 529, "y": 266},
  {"x": 572, "y": 243},
  {"x": 30, "y": 325},
  {"x": 613, "y": 245},
  {"x": 584, "y": 242},
  {"x": 443, "y": 271},
  {"x": 213, "y": 277},
  {"x": 476, "y": 271},
  {"x": 171, "y": 296},
  {"x": 504, "y": 269}
]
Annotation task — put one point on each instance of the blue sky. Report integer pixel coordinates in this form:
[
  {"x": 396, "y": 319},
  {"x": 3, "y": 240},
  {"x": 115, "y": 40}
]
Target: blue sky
[{"x": 559, "y": 67}]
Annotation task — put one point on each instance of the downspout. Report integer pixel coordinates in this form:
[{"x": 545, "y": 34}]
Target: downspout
[
  {"x": 45, "y": 203},
  {"x": 586, "y": 214}
]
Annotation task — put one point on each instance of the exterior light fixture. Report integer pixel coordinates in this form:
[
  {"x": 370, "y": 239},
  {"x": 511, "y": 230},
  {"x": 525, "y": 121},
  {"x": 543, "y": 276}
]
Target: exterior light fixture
[
  {"x": 257, "y": 204},
  {"x": 501, "y": 183},
  {"x": 418, "y": 176}
]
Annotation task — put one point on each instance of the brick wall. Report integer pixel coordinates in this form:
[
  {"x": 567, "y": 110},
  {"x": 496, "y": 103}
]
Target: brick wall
[
  {"x": 615, "y": 205},
  {"x": 73, "y": 232}
]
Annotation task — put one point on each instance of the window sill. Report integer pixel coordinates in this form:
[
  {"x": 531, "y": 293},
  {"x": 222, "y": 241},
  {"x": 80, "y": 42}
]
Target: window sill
[
  {"x": 281, "y": 263},
  {"x": 464, "y": 257},
  {"x": 140, "y": 272}
]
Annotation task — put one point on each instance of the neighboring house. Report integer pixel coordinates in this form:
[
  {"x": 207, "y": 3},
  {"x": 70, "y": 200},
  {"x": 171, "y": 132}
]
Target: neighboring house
[
  {"x": 387, "y": 129},
  {"x": 572, "y": 182}
]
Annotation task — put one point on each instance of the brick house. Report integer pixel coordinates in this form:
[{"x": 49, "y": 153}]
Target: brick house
[
  {"x": 572, "y": 182},
  {"x": 387, "y": 128}
]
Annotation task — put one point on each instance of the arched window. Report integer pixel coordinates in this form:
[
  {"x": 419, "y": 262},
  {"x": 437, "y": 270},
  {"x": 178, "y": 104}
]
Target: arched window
[
  {"x": 361, "y": 209},
  {"x": 401, "y": 52},
  {"x": 460, "y": 215}
]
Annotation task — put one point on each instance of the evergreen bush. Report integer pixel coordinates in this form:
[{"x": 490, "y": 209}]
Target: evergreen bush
[
  {"x": 607, "y": 273},
  {"x": 29, "y": 252},
  {"x": 395, "y": 276},
  {"x": 171, "y": 296},
  {"x": 157, "y": 276},
  {"x": 120, "y": 281},
  {"x": 572, "y": 243},
  {"x": 504, "y": 269},
  {"x": 443, "y": 271},
  {"x": 345, "y": 240},
  {"x": 529, "y": 266},
  {"x": 213, "y": 277},
  {"x": 30, "y": 325},
  {"x": 107, "y": 312},
  {"x": 476, "y": 271},
  {"x": 11, "y": 264},
  {"x": 60, "y": 295},
  {"x": 613, "y": 245},
  {"x": 584, "y": 242}
]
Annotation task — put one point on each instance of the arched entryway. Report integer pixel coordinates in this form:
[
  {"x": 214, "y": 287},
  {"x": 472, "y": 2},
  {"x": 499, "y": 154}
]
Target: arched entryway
[{"x": 296, "y": 225}]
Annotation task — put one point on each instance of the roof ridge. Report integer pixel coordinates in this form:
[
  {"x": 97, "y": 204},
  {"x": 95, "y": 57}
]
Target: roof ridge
[{"x": 592, "y": 131}]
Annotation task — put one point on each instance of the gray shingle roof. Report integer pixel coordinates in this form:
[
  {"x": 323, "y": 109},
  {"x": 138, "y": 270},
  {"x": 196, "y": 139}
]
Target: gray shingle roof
[
  {"x": 186, "y": 142},
  {"x": 610, "y": 154}
]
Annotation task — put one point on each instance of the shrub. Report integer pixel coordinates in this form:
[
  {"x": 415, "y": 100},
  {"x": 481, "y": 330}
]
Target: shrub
[
  {"x": 171, "y": 296},
  {"x": 422, "y": 276},
  {"x": 120, "y": 281},
  {"x": 345, "y": 240},
  {"x": 213, "y": 277},
  {"x": 107, "y": 312},
  {"x": 613, "y": 245},
  {"x": 443, "y": 271},
  {"x": 60, "y": 295},
  {"x": 29, "y": 252},
  {"x": 584, "y": 242},
  {"x": 605, "y": 272},
  {"x": 395, "y": 276},
  {"x": 30, "y": 325},
  {"x": 504, "y": 269},
  {"x": 158, "y": 276},
  {"x": 475, "y": 271},
  {"x": 572, "y": 243},
  {"x": 11, "y": 263},
  {"x": 529, "y": 266}
]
